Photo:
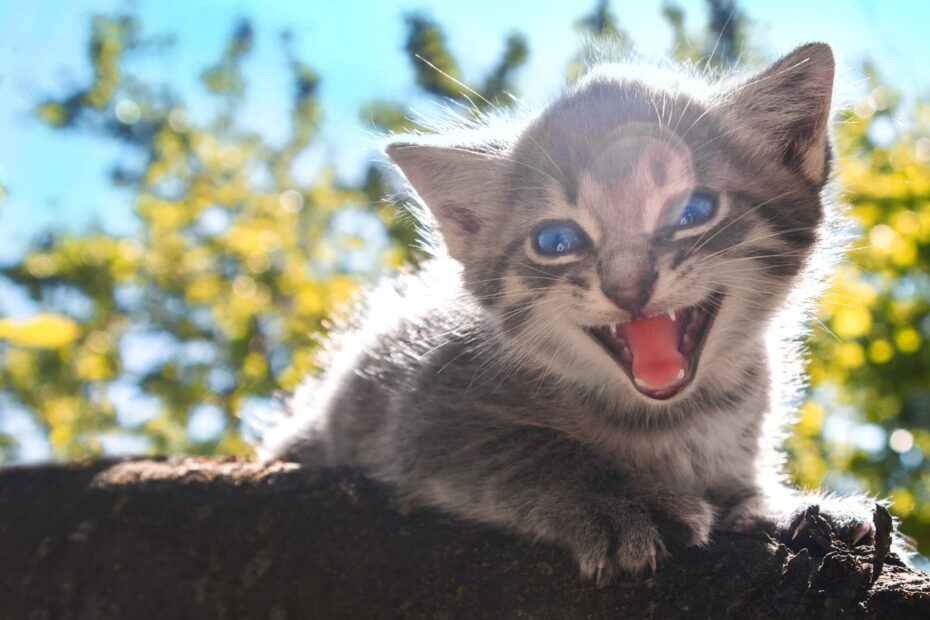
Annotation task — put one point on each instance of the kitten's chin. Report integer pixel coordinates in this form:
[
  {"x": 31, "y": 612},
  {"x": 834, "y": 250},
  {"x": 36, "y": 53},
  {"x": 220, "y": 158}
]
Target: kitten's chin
[{"x": 660, "y": 354}]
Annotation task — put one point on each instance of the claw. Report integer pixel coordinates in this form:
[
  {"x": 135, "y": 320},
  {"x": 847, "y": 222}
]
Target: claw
[
  {"x": 802, "y": 527},
  {"x": 652, "y": 562},
  {"x": 600, "y": 576},
  {"x": 863, "y": 530}
]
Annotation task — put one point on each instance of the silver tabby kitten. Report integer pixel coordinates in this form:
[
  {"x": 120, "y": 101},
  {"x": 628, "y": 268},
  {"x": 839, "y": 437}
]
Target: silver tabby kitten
[{"x": 600, "y": 361}]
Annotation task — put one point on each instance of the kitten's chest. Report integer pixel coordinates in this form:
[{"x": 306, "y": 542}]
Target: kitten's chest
[{"x": 696, "y": 459}]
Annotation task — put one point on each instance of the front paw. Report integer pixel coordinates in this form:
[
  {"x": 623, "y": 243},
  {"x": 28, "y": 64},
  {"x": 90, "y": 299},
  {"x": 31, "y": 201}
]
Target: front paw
[
  {"x": 827, "y": 522},
  {"x": 615, "y": 542},
  {"x": 818, "y": 523},
  {"x": 684, "y": 521},
  {"x": 632, "y": 538}
]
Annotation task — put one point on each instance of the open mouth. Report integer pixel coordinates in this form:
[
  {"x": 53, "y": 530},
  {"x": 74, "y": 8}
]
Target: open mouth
[{"x": 660, "y": 353}]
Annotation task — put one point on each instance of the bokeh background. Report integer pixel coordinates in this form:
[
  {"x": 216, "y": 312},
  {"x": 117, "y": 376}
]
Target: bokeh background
[{"x": 188, "y": 189}]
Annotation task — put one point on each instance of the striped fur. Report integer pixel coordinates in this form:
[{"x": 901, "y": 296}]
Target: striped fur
[{"x": 476, "y": 385}]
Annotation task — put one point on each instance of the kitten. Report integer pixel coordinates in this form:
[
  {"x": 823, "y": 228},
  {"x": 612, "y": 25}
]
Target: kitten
[{"x": 601, "y": 360}]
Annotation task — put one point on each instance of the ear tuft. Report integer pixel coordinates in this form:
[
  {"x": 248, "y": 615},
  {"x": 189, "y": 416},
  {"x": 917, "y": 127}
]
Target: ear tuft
[{"x": 789, "y": 105}]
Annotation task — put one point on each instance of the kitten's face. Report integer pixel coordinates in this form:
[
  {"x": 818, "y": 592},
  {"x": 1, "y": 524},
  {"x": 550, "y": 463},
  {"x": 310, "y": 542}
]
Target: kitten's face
[
  {"x": 631, "y": 263},
  {"x": 636, "y": 238}
]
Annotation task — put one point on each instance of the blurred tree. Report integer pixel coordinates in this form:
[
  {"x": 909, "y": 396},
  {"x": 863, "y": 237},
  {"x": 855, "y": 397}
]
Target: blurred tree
[
  {"x": 602, "y": 39},
  {"x": 237, "y": 264},
  {"x": 727, "y": 25},
  {"x": 232, "y": 273},
  {"x": 866, "y": 422},
  {"x": 722, "y": 44},
  {"x": 437, "y": 74}
]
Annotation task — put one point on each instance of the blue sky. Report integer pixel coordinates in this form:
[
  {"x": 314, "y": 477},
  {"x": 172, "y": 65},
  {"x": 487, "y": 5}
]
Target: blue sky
[{"x": 56, "y": 180}]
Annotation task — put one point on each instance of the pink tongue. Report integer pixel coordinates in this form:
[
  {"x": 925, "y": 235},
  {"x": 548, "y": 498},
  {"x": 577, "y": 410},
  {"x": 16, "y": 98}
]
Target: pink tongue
[{"x": 654, "y": 343}]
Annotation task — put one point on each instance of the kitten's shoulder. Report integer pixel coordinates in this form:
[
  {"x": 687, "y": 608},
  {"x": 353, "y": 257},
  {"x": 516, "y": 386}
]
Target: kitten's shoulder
[{"x": 374, "y": 346}]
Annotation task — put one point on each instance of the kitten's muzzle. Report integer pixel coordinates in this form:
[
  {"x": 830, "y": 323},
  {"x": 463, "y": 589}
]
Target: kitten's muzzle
[{"x": 660, "y": 354}]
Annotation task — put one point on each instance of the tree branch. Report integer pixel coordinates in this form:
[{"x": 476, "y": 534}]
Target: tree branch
[{"x": 212, "y": 539}]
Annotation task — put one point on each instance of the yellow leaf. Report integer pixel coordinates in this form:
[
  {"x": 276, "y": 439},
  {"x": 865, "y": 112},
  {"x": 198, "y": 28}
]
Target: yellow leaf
[
  {"x": 53, "y": 113},
  {"x": 62, "y": 416},
  {"x": 90, "y": 366},
  {"x": 811, "y": 419},
  {"x": 902, "y": 502},
  {"x": 907, "y": 340},
  {"x": 851, "y": 321},
  {"x": 880, "y": 351},
  {"x": 43, "y": 331},
  {"x": 255, "y": 365},
  {"x": 904, "y": 253},
  {"x": 308, "y": 301},
  {"x": 204, "y": 289},
  {"x": 850, "y": 355}
]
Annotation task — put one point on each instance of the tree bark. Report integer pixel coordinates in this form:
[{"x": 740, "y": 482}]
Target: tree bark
[{"x": 195, "y": 538}]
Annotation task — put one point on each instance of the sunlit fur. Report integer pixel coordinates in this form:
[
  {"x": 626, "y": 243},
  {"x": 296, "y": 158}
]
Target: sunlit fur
[{"x": 474, "y": 385}]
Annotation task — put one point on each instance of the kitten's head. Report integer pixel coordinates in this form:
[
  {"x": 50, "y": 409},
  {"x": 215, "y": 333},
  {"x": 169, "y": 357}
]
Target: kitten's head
[{"x": 637, "y": 235}]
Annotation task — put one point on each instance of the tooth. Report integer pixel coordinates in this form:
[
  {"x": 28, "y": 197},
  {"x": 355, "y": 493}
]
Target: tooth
[
  {"x": 613, "y": 330},
  {"x": 680, "y": 375},
  {"x": 671, "y": 314},
  {"x": 641, "y": 383}
]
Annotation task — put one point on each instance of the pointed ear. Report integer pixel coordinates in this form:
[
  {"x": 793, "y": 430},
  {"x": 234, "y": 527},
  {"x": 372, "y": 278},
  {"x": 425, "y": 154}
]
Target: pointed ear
[
  {"x": 459, "y": 185},
  {"x": 788, "y": 107}
]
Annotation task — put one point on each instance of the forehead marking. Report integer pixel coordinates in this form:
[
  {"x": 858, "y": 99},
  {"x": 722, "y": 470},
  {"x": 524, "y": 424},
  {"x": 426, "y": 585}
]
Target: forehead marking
[
  {"x": 640, "y": 169},
  {"x": 658, "y": 170}
]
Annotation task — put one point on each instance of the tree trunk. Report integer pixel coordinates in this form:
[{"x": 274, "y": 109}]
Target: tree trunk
[{"x": 195, "y": 538}]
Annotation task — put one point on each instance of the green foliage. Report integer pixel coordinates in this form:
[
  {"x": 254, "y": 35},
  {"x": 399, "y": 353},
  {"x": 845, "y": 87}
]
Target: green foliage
[
  {"x": 233, "y": 257},
  {"x": 874, "y": 365},
  {"x": 601, "y": 22},
  {"x": 236, "y": 258},
  {"x": 601, "y": 39},
  {"x": 438, "y": 74}
]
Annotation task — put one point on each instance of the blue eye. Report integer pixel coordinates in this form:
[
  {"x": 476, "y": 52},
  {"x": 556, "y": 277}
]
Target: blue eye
[
  {"x": 559, "y": 238},
  {"x": 699, "y": 209}
]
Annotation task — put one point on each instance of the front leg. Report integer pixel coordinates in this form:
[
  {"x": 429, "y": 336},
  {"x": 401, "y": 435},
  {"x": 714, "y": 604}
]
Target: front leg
[
  {"x": 542, "y": 483},
  {"x": 786, "y": 514}
]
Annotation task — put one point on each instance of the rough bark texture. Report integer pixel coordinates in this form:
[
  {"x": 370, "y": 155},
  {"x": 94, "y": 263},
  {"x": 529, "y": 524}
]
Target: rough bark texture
[{"x": 192, "y": 538}]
